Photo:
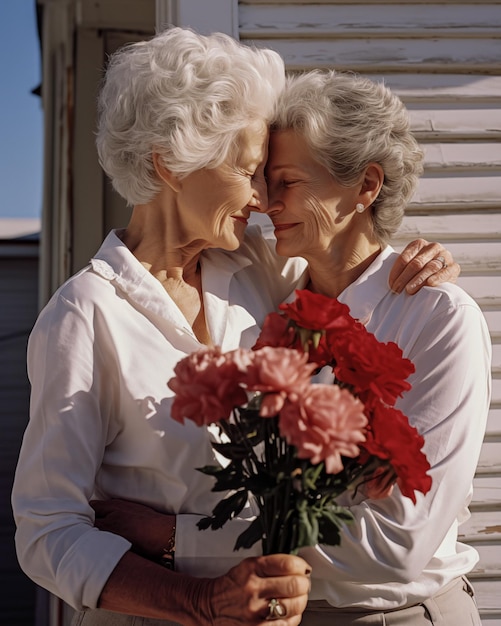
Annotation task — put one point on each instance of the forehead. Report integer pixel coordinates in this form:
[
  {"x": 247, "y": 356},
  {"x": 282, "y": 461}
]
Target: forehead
[
  {"x": 253, "y": 143},
  {"x": 287, "y": 148}
]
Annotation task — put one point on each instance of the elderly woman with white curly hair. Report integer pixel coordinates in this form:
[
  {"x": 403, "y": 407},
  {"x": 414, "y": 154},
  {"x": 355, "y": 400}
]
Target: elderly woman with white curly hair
[{"x": 183, "y": 136}]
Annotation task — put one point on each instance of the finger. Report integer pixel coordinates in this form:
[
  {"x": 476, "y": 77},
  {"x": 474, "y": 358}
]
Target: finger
[
  {"x": 433, "y": 274},
  {"x": 281, "y": 565},
  {"x": 428, "y": 261},
  {"x": 284, "y": 611},
  {"x": 405, "y": 257},
  {"x": 448, "y": 274},
  {"x": 288, "y": 587}
]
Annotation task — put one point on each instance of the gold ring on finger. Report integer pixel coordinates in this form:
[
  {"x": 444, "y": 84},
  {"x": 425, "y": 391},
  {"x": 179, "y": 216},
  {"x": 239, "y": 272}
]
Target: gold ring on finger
[
  {"x": 442, "y": 260},
  {"x": 276, "y": 610}
]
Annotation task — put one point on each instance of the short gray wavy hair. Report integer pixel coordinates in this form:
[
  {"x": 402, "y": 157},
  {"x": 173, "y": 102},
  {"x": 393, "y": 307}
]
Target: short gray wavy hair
[
  {"x": 185, "y": 96},
  {"x": 348, "y": 122}
]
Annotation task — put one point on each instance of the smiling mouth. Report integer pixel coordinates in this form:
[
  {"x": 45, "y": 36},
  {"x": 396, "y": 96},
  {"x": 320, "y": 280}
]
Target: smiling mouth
[
  {"x": 279, "y": 227},
  {"x": 240, "y": 218}
]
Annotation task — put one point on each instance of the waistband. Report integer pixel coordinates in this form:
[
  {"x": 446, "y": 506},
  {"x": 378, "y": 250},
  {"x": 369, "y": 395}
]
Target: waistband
[{"x": 324, "y": 606}]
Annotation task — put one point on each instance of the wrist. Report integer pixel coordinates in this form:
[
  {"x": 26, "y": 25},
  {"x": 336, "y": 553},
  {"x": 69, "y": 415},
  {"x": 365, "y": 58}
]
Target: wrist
[{"x": 168, "y": 552}]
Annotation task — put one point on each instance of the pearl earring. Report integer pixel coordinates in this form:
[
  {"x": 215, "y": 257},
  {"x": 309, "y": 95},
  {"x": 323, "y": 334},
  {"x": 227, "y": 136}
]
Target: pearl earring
[{"x": 359, "y": 207}]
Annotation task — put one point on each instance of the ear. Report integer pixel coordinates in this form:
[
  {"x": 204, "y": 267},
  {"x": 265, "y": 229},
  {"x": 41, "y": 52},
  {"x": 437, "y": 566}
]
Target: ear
[
  {"x": 165, "y": 174},
  {"x": 371, "y": 184}
]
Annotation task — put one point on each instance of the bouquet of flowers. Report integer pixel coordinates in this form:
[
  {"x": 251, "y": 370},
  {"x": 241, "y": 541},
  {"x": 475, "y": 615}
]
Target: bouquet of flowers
[{"x": 295, "y": 445}]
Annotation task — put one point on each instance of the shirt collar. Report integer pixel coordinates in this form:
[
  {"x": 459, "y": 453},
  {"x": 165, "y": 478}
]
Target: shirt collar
[
  {"x": 116, "y": 263},
  {"x": 365, "y": 293}
]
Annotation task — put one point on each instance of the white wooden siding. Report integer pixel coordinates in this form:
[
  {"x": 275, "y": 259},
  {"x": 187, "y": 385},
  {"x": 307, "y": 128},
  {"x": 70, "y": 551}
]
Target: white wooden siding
[{"x": 444, "y": 60}]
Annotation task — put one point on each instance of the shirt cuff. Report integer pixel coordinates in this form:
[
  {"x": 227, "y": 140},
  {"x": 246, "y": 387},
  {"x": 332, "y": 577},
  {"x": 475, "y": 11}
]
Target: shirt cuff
[{"x": 87, "y": 566}]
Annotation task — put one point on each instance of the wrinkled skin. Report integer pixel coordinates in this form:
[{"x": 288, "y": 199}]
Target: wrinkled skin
[
  {"x": 417, "y": 266},
  {"x": 241, "y": 596}
]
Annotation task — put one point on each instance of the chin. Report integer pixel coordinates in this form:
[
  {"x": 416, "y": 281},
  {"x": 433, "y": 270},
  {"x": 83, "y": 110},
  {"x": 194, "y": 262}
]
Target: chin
[
  {"x": 230, "y": 244},
  {"x": 284, "y": 250}
]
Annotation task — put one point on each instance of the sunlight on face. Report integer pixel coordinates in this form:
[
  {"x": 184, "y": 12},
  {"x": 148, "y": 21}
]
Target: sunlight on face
[
  {"x": 215, "y": 204},
  {"x": 309, "y": 209}
]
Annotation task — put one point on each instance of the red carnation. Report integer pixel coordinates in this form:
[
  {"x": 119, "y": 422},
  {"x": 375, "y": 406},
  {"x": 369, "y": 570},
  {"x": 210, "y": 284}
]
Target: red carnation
[
  {"x": 391, "y": 438},
  {"x": 207, "y": 387},
  {"x": 318, "y": 312},
  {"x": 375, "y": 370}
]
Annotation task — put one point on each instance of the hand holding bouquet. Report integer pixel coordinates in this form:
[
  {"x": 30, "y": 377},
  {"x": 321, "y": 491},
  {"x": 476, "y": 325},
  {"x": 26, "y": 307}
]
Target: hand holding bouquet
[{"x": 294, "y": 445}]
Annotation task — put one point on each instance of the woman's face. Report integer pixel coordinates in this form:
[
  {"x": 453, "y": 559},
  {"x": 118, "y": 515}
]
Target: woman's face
[
  {"x": 311, "y": 212},
  {"x": 215, "y": 204}
]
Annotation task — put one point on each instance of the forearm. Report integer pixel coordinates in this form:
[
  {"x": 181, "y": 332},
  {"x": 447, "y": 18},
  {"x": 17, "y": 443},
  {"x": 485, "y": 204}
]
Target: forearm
[
  {"x": 140, "y": 587},
  {"x": 198, "y": 553}
]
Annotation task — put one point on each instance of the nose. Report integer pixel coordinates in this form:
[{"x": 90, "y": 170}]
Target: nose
[
  {"x": 259, "y": 200},
  {"x": 275, "y": 205}
]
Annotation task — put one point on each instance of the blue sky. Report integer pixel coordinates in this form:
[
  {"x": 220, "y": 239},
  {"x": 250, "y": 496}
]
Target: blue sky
[{"x": 21, "y": 124}]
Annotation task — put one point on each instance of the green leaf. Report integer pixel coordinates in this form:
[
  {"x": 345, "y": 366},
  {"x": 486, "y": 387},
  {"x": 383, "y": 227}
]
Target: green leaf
[
  {"x": 227, "y": 508},
  {"x": 204, "y": 523},
  {"x": 210, "y": 470},
  {"x": 331, "y": 524},
  {"x": 232, "y": 451},
  {"x": 249, "y": 537},
  {"x": 228, "y": 478},
  {"x": 329, "y": 532},
  {"x": 308, "y": 528}
]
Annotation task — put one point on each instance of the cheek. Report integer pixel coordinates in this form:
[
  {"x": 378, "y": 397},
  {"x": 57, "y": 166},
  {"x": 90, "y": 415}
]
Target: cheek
[
  {"x": 236, "y": 193},
  {"x": 318, "y": 219}
]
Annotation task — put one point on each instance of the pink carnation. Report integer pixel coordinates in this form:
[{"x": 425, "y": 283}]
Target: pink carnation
[
  {"x": 207, "y": 387},
  {"x": 325, "y": 423},
  {"x": 278, "y": 373}
]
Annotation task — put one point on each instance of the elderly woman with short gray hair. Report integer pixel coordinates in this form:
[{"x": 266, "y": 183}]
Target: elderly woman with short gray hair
[{"x": 342, "y": 166}]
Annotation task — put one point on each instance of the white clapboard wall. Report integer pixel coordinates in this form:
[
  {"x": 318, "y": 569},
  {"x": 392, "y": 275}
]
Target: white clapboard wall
[{"x": 444, "y": 60}]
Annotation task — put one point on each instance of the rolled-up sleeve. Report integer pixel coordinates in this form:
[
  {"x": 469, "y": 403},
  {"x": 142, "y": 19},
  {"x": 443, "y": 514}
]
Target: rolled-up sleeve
[{"x": 56, "y": 543}]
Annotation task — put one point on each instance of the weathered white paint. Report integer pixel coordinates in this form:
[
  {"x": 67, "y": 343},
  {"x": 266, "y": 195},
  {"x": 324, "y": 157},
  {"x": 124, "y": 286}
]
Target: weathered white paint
[
  {"x": 389, "y": 54},
  {"x": 348, "y": 20},
  {"x": 470, "y": 156},
  {"x": 457, "y": 191},
  {"x": 205, "y": 17},
  {"x": 494, "y": 425},
  {"x": 455, "y": 123},
  {"x": 471, "y": 226}
]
